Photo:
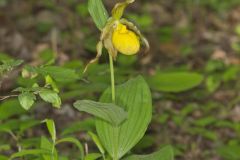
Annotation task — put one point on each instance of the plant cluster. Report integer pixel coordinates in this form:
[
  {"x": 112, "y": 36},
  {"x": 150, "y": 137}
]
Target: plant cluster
[{"x": 122, "y": 114}]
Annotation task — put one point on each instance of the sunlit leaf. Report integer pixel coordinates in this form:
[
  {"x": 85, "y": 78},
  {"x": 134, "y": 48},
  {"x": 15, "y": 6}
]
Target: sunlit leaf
[
  {"x": 51, "y": 97},
  {"x": 51, "y": 128},
  {"x": 26, "y": 100}
]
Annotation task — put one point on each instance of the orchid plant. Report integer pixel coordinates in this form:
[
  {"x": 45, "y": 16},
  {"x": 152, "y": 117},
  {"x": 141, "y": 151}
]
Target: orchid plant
[{"x": 122, "y": 114}]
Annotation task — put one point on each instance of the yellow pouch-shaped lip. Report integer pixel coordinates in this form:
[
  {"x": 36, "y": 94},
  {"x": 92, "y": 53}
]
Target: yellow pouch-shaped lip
[{"x": 125, "y": 41}]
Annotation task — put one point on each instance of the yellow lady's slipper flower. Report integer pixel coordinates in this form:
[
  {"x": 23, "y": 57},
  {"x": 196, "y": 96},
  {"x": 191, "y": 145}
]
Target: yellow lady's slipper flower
[
  {"x": 125, "y": 41},
  {"x": 119, "y": 35}
]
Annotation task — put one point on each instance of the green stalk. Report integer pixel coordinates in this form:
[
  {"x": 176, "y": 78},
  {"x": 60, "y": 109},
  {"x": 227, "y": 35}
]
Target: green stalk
[
  {"x": 112, "y": 78},
  {"x": 52, "y": 151},
  {"x": 113, "y": 87}
]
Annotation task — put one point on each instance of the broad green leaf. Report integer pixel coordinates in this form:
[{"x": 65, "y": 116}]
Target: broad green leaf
[
  {"x": 135, "y": 97},
  {"x": 106, "y": 111},
  {"x": 74, "y": 141},
  {"x": 98, "y": 13},
  {"x": 26, "y": 100},
  {"x": 174, "y": 82},
  {"x": 92, "y": 156},
  {"x": 51, "y": 128},
  {"x": 164, "y": 154},
  {"x": 97, "y": 142},
  {"x": 59, "y": 74},
  {"x": 51, "y": 97},
  {"x": 29, "y": 152}
]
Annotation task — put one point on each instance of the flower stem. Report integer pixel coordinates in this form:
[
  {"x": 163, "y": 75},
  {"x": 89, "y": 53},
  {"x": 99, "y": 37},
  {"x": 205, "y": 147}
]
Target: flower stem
[
  {"x": 113, "y": 89},
  {"x": 112, "y": 78},
  {"x": 52, "y": 151}
]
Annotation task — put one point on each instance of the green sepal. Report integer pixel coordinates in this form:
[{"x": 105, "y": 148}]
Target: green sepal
[{"x": 119, "y": 8}]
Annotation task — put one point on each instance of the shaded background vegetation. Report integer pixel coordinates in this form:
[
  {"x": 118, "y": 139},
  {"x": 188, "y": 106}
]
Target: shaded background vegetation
[{"x": 198, "y": 36}]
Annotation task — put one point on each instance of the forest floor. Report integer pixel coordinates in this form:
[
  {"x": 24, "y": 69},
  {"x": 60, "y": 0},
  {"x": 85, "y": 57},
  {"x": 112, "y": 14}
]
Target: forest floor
[{"x": 202, "y": 123}]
